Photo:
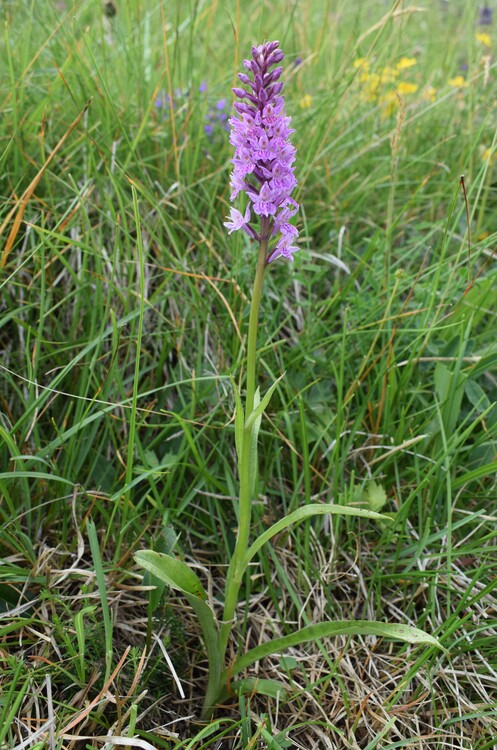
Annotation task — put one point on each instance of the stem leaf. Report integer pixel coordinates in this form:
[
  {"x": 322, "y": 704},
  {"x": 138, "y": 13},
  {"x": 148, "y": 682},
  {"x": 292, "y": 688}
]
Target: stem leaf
[
  {"x": 253, "y": 436},
  {"x": 260, "y": 407},
  {"x": 314, "y": 509},
  {"x": 239, "y": 421}
]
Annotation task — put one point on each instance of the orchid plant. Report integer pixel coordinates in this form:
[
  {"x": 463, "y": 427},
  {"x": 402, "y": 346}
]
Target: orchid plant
[{"x": 263, "y": 170}]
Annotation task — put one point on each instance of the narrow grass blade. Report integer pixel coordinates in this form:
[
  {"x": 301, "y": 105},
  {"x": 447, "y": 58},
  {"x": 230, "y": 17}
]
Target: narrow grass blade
[{"x": 102, "y": 590}]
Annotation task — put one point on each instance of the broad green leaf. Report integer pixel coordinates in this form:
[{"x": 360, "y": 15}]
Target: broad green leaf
[
  {"x": 329, "y": 629},
  {"x": 372, "y": 495},
  {"x": 9, "y": 598},
  {"x": 282, "y": 739},
  {"x": 481, "y": 298},
  {"x": 165, "y": 543},
  {"x": 306, "y": 511},
  {"x": 151, "y": 458},
  {"x": 487, "y": 362},
  {"x": 449, "y": 383},
  {"x": 288, "y": 663},
  {"x": 154, "y": 473},
  {"x": 172, "y": 571},
  {"x": 443, "y": 381},
  {"x": 376, "y": 496},
  {"x": 260, "y": 407},
  {"x": 167, "y": 539},
  {"x": 273, "y": 743}
]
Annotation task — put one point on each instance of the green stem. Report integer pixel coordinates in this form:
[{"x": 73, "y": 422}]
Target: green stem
[
  {"x": 253, "y": 325},
  {"x": 236, "y": 568}
]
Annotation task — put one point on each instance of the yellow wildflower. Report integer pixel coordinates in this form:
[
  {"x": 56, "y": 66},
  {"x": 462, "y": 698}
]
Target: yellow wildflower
[
  {"x": 457, "y": 82},
  {"x": 371, "y": 83},
  {"x": 404, "y": 87},
  {"x": 483, "y": 235},
  {"x": 483, "y": 38},
  {"x": 406, "y": 62},
  {"x": 388, "y": 103},
  {"x": 388, "y": 74},
  {"x": 429, "y": 94},
  {"x": 489, "y": 155},
  {"x": 306, "y": 101},
  {"x": 361, "y": 62}
]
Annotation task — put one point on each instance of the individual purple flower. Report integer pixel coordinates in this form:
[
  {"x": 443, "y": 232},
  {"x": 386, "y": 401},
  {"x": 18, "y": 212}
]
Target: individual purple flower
[
  {"x": 266, "y": 202},
  {"x": 162, "y": 101},
  {"x": 264, "y": 157},
  {"x": 238, "y": 220},
  {"x": 284, "y": 248}
]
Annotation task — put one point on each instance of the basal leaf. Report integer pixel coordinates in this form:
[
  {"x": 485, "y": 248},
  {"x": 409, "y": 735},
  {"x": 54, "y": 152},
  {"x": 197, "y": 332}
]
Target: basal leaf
[
  {"x": 181, "y": 577},
  {"x": 404, "y": 633}
]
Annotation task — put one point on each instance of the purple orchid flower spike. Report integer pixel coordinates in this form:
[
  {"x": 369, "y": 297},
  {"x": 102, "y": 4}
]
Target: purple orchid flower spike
[{"x": 264, "y": 156}]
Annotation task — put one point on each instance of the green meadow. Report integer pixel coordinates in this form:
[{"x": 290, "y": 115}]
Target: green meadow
[{"x": 124, "y": 310}]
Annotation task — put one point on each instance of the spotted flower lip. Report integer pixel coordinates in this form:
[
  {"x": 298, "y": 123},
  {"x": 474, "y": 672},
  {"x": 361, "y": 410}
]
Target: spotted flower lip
[{"x": 264, "y": 156}]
